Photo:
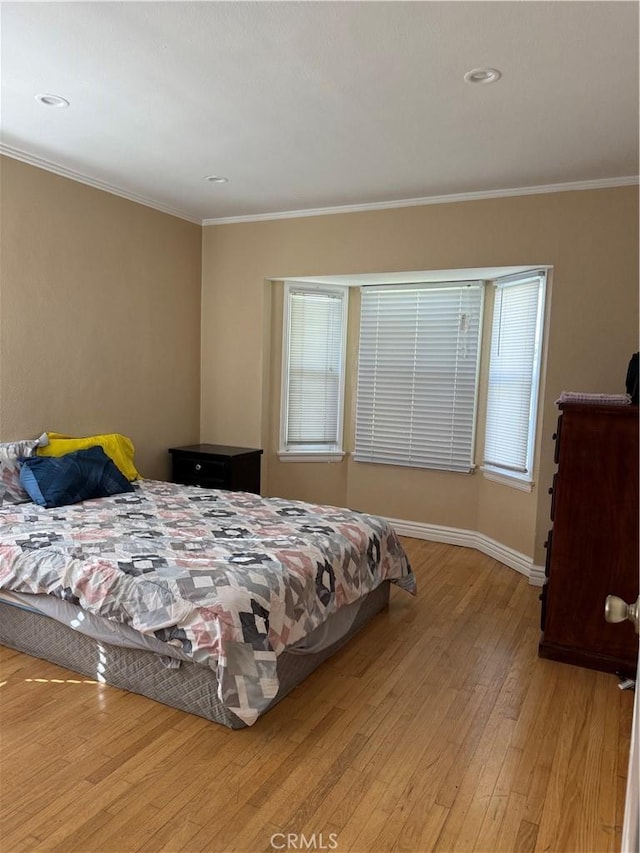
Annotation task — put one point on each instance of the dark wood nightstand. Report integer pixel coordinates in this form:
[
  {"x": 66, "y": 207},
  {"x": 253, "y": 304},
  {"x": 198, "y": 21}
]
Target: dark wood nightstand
[{"x": 216, "y": 466}]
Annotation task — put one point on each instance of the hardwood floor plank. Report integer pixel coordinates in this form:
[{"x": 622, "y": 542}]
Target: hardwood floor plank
[
  {"x": 526, "y": 838},
  {"x": 552, "y": 817},
  {"x": 174, "y": 835},
  {"x": 489, "y": 830},
  {"x": 420, "y": 831},
  {"x": 362, "y": 831},
  {"x": 510, "y": 826},
  {"x": 481, "y": 779},
  {"x": 361, "y": 818},
  {"x": 436, "y": 728}
]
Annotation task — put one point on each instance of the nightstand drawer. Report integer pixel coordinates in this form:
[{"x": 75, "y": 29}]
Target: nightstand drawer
[
  {"x": 204, "y": 484},
  {"x": 193, "y": 468}
]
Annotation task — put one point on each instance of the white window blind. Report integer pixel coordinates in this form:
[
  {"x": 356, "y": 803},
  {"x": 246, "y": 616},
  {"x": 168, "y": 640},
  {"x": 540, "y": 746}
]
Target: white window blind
[
  {"x": 417, "y": 374},
  {"x": 313, "y": 368},
  {"x": 514, "y": 369}
]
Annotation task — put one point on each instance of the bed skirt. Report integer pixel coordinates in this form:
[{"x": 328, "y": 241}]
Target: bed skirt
[{"x": 191, "y": 687}]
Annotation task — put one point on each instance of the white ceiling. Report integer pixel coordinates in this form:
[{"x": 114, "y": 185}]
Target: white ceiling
[{"x": 311, "y": 105}]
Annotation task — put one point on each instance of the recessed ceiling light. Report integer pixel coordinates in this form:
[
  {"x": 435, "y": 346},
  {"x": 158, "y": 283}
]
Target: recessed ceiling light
[
  {"x": 52, "y": 101},
  {"x": 216, "y": 179},
  {"x": 483, "y": 75}
]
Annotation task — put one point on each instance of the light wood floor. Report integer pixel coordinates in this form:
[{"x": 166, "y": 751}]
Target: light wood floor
[{"x": 437, "y": 728}]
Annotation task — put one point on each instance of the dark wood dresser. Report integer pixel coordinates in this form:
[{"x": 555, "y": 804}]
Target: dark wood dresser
[
  {"x": 217, "y": 466},
  {"x": 592, "y": 549}
]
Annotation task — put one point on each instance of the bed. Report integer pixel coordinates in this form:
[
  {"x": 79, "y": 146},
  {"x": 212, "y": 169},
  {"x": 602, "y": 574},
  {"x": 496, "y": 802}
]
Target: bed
[{"x": 218, "y": 603}]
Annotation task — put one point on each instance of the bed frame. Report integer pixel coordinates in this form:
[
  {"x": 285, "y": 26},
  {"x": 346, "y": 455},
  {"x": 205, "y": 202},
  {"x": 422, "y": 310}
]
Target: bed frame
[{"x": 191, "y": 687}]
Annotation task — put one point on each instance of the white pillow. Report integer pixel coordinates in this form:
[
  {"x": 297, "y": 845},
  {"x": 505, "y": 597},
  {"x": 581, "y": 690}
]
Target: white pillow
[{"x": 11, "y": 452}]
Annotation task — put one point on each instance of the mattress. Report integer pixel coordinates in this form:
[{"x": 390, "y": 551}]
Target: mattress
[
  {"x": 227, "y": 582},
  {"x": 189, "y": 687},
  {"x": 123, "y": 636}
]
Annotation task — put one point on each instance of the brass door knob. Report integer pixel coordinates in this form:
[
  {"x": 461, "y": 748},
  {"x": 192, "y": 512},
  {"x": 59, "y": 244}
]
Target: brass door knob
[{"x": 617, "y": 610}]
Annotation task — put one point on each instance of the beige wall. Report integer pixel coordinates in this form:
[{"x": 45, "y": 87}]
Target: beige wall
[
  {"x": 99, "y": 316},
  {"x": 589, "y": 237},
  {"x": 101, "y": 313}
]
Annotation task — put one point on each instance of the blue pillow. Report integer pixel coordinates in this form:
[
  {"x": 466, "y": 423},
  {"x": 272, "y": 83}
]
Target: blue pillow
[{"x": 79, "y": 476}]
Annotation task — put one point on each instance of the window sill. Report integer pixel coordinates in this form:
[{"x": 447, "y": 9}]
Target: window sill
[
  {"x": 507, "y": 480},
  {"x": 311, "y": 455}
]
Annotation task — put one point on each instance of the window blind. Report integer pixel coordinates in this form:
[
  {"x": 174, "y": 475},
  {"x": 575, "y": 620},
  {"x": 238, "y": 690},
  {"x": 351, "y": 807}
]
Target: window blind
[
  {"x": 314, "y": 368},
  {"x": 513, "y": 375},
  {"x": 417, "y": 374}
]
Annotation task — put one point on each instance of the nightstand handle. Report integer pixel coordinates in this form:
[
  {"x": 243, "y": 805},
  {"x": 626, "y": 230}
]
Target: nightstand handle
[{"x": 198, "y": 466}]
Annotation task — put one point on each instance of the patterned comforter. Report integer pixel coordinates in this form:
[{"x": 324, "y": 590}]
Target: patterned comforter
[{"x": 230, "y": 577}]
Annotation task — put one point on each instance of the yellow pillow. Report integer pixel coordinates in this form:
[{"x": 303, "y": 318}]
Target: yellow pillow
[{"x": 118, "y": 447}]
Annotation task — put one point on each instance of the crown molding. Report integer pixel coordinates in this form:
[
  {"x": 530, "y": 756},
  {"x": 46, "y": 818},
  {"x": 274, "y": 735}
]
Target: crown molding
[
  {"x": 481, "y": 195},
  {"x": 48, "y": 166}
]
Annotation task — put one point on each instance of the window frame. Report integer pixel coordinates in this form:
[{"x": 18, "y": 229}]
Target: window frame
[
  {"x": 520, "y": 480},
  {"x": 336, "y": 452},
  {"x": 329, "y": 452}
]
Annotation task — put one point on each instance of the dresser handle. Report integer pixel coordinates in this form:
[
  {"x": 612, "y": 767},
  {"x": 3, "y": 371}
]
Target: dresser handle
[{"x": 198, "y": 466}]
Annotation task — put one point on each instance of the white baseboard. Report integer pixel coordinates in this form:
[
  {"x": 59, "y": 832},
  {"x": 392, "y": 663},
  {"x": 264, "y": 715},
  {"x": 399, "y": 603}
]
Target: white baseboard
[
  {"x": 537, "y": 576},
  {"x": 472, "y": 539}
]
